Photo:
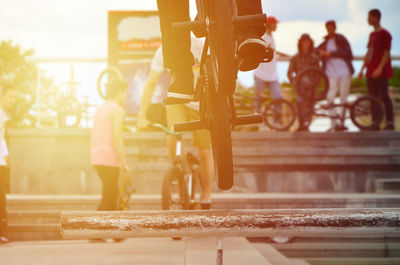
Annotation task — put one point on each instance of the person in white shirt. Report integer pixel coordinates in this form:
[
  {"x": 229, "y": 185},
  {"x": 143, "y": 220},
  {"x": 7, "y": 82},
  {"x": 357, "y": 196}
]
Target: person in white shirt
[
  {"x": 266, "y": 74},
  {"x": 337, "y": 62},
  {"x": 9, "y": 95},
  {"x": 180, "y": 113}
]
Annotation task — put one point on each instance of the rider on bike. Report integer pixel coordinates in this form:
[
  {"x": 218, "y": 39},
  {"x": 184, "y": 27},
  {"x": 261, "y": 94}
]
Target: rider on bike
[
  {"x": 181, "y": 113},
  {"x": 176, "y": 45}
]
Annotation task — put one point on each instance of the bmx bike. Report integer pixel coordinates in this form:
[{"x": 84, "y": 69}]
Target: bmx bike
[
  {"x": 278, "y": 115},
  {"x": 179, "y": 184},
  {"x": 366, "y": 112},
  {"x": 217, "y": 20}
]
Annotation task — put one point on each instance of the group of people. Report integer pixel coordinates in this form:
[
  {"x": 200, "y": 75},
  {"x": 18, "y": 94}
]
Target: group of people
[
  {"x": 178, "y": 54},
  {"x": 334, "y": 56}
]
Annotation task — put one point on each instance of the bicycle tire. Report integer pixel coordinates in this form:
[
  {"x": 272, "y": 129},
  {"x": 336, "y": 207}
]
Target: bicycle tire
[
  {"x": 309, "y": 81},
  {"x": 279, "y": 115},
  {"x": 220, "y": 130},
  {"x": 69, "y": 107},
  {"x": 175, "y": 179},
  {"x": 112, "y": 71},
  {"x": 222, "y": 44},
  {"x": 215, "y": 111},
  {"x": 361, "y": 113}
]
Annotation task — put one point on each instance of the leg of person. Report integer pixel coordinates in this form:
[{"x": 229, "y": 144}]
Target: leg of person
[
  {"x": 176, "y": 49},
  {"x": 330, "y": 97},
  {"x": 275, "y": 90},
  {"x": 259, "y": 86},
  {"x": 175, "y": 114},
  {"x": 202, "y": 140},
  {"x": 373, "y": 91},
  {"x": 3, "y": 211},
  {"x": 252, "y": 49},
  {"x": 383, "y": 84},
  {"x": 109, "y": 178},
  {"x": 345, "y": 83}
]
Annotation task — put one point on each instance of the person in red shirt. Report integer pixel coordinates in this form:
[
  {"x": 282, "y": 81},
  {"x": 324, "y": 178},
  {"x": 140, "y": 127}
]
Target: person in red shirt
[{"x": 378, "y": 64}]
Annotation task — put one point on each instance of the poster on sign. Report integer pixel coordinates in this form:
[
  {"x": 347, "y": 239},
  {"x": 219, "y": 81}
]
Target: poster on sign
[{"x": 133, "y": 38}]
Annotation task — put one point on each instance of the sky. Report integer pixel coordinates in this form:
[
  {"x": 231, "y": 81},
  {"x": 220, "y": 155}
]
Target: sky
[{"x": 73, "y": 28}]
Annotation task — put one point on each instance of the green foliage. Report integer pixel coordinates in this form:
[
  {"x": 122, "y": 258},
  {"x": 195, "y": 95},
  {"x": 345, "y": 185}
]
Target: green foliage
[
  {"x": 18, "y": 71},
  {"x": 395, "y": 80}
]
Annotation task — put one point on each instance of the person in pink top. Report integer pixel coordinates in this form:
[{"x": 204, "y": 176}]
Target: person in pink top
[{"x": 107, "y": 147}]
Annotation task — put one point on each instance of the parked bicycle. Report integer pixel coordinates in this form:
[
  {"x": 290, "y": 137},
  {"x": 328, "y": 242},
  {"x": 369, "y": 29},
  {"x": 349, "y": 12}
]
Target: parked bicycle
[
  {"x": 366, "y": 112},
  {"x": 278, "y": 115}
]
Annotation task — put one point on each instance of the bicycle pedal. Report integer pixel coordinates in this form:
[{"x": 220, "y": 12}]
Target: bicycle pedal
[
  {"x": 248, "y": 119},
  {"x": 188, "y": 126}
]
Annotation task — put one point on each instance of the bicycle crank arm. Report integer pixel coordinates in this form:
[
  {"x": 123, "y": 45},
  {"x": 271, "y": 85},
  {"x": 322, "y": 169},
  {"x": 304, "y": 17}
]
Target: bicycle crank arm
[
  {"x": 248, "y": 119},
  {"x": 188, "y": 126},
  {"x": 197, "y": 26},
  {"x": 250, "y": 19}
]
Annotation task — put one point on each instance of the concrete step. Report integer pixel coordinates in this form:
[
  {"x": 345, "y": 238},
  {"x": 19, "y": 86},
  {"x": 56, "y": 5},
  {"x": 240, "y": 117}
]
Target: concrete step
[
  {"x": 30, "y": 232},
  {"x": 34, "y": 217}
]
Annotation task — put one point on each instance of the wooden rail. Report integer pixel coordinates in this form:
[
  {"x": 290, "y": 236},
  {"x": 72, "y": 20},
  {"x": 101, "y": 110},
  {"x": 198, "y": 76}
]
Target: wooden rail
[{"x": 229, "y": 223}]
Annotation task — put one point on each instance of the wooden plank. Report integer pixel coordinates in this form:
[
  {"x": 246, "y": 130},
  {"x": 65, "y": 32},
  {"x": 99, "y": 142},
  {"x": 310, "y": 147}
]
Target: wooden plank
[{"x": 229, "y": 223}]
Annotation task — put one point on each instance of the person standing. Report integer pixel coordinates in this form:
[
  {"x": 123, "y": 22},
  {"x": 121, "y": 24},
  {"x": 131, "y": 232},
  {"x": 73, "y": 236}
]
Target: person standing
[
  {"x": 9, "y": 95},
  {"x": 266, "y": 74},
  {"x": 336, "y": 60},
  {"x": 307, "y": 57},
  {"x": 379, "y": 67},
  {"x": 107, "y": 146},
  {"x": 181, "y": 113}
]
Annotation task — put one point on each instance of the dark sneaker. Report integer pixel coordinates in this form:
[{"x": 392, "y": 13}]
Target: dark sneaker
[
  {"x": 341, "y": 128},
  {"x": 181, "y": 89},
  {"x": 205, "y": 205},
  {"x": 389, "y": 127},
  {"x": 251, "y": 52}
]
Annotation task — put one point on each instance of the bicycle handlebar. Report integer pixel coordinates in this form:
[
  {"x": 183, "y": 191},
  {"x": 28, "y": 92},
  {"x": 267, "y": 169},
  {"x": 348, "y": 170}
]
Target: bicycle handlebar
[{"x": 165, "y": 129}]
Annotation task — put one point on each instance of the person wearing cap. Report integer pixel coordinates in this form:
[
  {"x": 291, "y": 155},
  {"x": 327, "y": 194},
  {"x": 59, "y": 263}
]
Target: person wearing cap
[
  {"x": 306, "y": 57},
  {"x": 337, "y": 63},
  {"x": 266, "y": 74},
  {"x": 107, "y": 146}
]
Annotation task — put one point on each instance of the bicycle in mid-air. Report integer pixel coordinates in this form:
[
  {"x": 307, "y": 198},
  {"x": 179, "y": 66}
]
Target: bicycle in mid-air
[
  {"x": 312, "y": 84},
  {"x": 217, "y": 20}
]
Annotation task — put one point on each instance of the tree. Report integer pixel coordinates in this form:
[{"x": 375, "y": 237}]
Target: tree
[{"x": 17, "y": 70}]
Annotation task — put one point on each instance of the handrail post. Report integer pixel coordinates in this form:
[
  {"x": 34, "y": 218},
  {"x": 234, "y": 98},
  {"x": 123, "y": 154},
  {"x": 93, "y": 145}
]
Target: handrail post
[{"x": 220, "y": 251}]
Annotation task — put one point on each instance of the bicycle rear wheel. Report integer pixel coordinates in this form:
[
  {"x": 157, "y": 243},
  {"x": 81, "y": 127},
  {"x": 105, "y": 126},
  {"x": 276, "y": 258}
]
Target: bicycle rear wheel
[
  {"x": 106, "y": 76},
  {"x": 366, "y": 113},
  {"x": 279, "y": 115},
  {"x": 174, "y": 194},
  {"x": 312, "y": 83}
]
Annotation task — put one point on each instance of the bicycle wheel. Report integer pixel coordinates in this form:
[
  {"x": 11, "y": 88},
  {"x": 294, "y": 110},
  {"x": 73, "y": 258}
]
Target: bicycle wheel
[
  {"x": 174, "y": 193},
  {"x": 366, "y": 113},
  {"x": 105, "y": 77},
  {"x": 312, "y": 83},
  {"x": 222, "y": 44},
  {"x": 69, "y": 112},
  {"x": 218, "y": 121},
  {"x": 279, "y": 115}
]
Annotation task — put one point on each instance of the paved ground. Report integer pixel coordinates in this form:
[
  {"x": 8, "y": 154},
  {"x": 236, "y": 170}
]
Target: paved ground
[{"x": 143, "y": 251}]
